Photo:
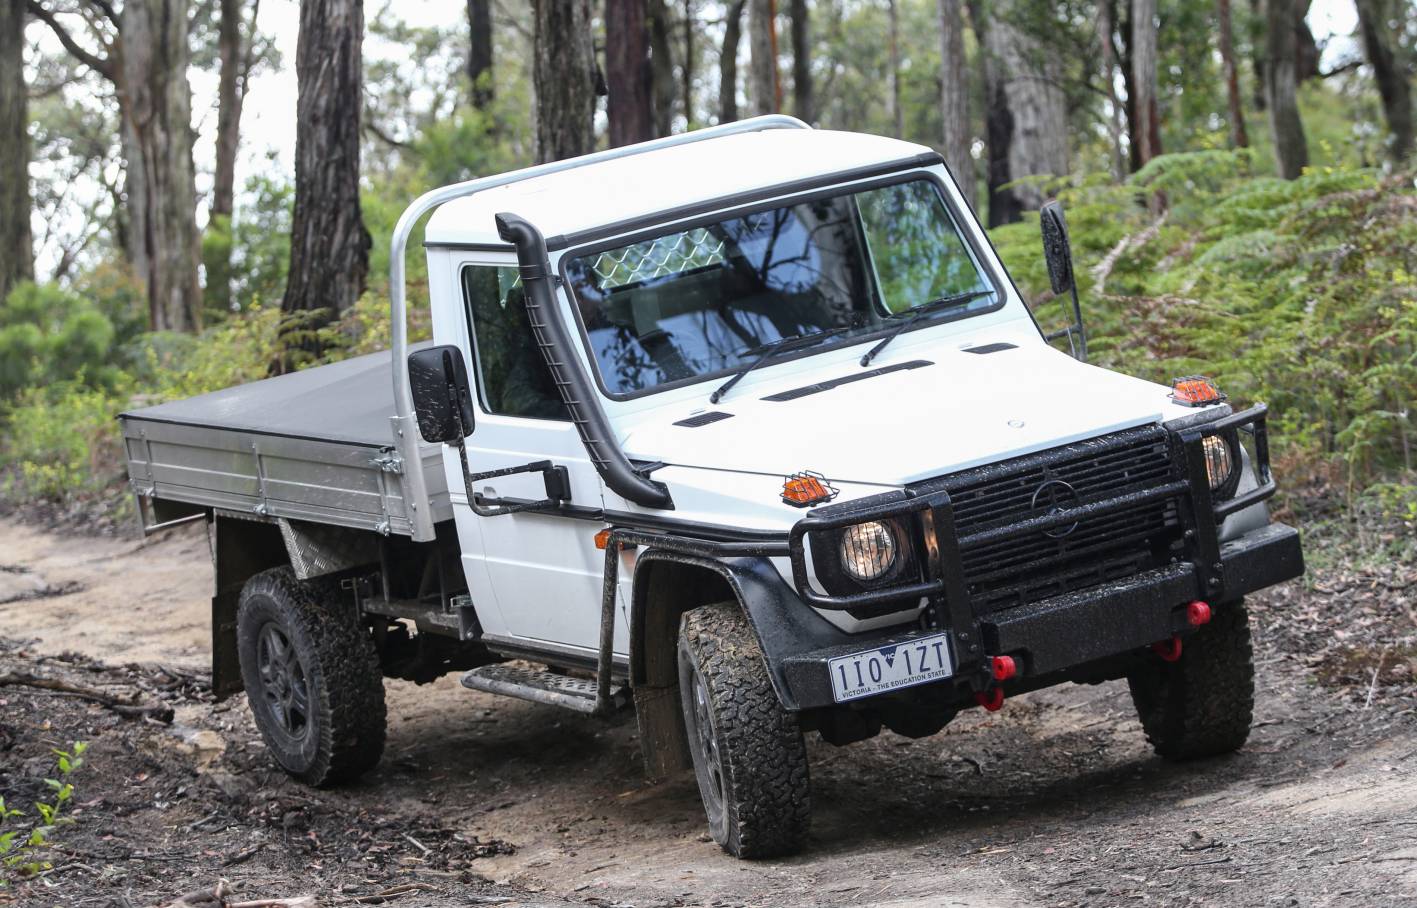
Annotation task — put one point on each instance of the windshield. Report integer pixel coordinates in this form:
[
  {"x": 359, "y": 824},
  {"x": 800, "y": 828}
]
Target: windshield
[{"x": 704, "y": 301}]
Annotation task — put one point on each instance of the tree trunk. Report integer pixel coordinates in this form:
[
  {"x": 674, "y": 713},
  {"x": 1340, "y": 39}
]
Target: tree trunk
[
  {"x": 1027, "y": 114},
  {"x": 563, "y": 78},
  {"x": 803, "y": 102},
  {"x": 479, "y": 54},
  {"x": 1375, "y": 21},
  {"x": 954, "y": 99},
  {"x": 1146, "y": 131},
  {"x": 1306, "y": 49},
  {"x": 686, "y": 76},
  {"x": 762, "y": 65},
  {"x": 329, "y": 245},
  {"x": 1291, "y": 149},
  {"x": 157, "y": 130},
  {"x": 16, "y": 244},
  {"x": 998, "y": 122},
  {"x": 661, "y": 66},
  {"x": 728, "y": 62},
  {"x": 1124, "y": 31},
  {"x": 629, "y": 107},
  {"x": 1106, "y": 24},
  {"x": 1258, "y": 52},
  {"x": 233, "y": 52},
  {"x": 1238, "y": 136},
  {"x": 897, "y": 114}
]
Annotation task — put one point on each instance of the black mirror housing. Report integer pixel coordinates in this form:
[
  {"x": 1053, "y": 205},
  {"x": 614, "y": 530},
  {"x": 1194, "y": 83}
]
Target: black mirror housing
[
  {"x": 1057, "y": 250},
  {"x": 442, "y": 396}
]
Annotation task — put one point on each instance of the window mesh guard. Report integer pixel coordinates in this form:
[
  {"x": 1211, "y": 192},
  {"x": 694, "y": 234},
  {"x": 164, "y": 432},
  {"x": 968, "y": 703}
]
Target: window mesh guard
[{"x": 659, "y": 257}]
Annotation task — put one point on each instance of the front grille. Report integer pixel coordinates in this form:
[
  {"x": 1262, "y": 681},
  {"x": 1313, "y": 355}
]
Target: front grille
[{"x": 1033, "y": 566}]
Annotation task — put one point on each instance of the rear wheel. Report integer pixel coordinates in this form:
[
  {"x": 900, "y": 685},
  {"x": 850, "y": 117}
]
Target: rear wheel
[
  {"x": 1201, "y": 704},
  {"x": 748, "y": 752},
  {"x": 312, "y": 678}
]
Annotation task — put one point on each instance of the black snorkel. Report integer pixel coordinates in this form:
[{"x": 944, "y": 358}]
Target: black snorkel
[{"x": 575, "y": 388}]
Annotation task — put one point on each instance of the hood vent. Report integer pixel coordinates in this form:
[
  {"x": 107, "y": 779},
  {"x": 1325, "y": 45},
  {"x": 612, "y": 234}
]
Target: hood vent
[
  {"x": 991, "y": 348},
  {"x": 703, "y": 419},
  {"x": 819, "y": 387}
]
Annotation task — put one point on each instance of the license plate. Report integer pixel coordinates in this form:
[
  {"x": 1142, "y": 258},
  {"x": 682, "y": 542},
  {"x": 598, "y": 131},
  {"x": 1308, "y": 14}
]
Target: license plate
[{"x": 892, "y": 667}]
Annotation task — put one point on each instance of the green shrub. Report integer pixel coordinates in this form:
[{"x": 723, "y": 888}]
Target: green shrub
[
  {"x": 62, "y": 441},
  {"x": 24, "y": 845},
  {"x": 48, "y": 334},
  {"x": 1299, "y": 293}
]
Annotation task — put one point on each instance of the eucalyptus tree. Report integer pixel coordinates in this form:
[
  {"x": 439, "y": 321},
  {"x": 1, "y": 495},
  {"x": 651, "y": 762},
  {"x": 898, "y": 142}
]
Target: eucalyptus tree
[
  {"x": 143, "y": 52},
  {"x": 16, "y": 244},
  {"x": 564, "y": 78},
  {"x": 329, "y": 245}
]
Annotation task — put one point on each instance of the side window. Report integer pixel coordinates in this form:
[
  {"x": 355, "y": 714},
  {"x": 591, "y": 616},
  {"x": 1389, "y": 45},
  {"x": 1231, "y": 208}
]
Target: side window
[{"x": 512, "y": 378}]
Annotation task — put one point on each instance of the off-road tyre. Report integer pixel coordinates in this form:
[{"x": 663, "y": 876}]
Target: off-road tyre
[
  {"x": 748, "y": 752},
  {"x": 339, "y": 734},
  {"x": 1200, "y": 705}
]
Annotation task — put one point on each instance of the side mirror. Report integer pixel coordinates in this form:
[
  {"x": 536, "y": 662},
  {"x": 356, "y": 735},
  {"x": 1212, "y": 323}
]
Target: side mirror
[
  {"x": 1057, "y": 251},
  {"x": 442, "y": 397}
]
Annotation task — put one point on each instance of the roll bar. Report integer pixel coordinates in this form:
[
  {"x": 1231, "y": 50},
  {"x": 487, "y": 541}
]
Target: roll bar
[{"x": 404, "y": 427}]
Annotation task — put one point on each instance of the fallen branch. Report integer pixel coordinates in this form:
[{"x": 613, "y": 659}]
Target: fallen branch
[
  {"x": 219, "y": 896},
  {"x": 1372, "y": 688},
  {"x": 378, "y": 897},
  {"x": 159, "y": 711},
  {"x": 1103, "y": 269}
]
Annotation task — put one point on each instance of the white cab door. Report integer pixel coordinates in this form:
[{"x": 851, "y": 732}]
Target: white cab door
[{"x": 542, "y": 570}]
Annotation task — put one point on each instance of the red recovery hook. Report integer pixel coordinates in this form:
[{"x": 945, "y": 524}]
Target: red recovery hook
[
  {"x": 1168, "y": 650},
  {"x": 992, "y": 699}
]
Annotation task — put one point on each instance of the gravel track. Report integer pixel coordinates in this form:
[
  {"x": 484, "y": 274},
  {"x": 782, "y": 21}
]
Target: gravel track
[{"x": 1055, "y": 800}]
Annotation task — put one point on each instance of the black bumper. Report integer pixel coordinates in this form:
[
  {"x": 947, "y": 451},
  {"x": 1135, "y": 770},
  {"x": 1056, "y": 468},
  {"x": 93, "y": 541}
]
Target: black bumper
[{"x": 1055, "y": 637}]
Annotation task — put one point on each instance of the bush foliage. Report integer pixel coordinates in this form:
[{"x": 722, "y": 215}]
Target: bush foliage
[{"x": 1301, "y": 294}]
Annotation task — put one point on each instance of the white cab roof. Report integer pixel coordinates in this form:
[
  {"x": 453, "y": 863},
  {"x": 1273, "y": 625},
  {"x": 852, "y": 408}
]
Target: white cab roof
[{"x": 596, "y": 195}]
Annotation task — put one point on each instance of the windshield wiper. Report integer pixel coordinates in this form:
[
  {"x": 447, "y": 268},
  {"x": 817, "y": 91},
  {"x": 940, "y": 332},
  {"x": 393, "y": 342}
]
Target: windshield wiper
[
  {"x": 767, "y": 351},
  {"x": 916, "y": 313}
]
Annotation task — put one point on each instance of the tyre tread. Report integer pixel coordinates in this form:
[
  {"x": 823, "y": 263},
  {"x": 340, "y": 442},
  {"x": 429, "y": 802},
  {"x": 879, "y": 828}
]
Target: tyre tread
[
  {"x": 769, "y": 792},
  {"x": 349, "y": 688},
  {"x": 1202, "y": 704}
]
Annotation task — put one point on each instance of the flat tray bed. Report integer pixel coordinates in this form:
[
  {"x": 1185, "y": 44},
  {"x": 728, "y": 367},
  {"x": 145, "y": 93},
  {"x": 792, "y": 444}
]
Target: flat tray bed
[{"x": 314, "y": 445}]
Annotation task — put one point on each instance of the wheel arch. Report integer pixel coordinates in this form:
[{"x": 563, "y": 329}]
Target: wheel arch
[{"x": 666, "y": 585}]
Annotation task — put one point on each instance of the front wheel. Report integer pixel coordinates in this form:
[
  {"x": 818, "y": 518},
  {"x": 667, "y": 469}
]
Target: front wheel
[
  {"x": 1201, "y": 704},
  {"x": 312, "y": 678},
  {"x": 748, "y": 752}
]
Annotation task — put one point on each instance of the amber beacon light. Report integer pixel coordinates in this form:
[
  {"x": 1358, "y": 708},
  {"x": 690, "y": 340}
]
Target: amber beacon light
[
  {"x": 806, "y": 488},
  {"x": 1195, "y": 391}
]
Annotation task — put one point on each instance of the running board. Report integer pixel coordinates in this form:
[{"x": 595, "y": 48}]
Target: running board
[{"x": 540, "y": 687}]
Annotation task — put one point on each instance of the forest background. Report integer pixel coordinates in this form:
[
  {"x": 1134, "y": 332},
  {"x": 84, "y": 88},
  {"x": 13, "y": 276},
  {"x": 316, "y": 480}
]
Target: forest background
[{"x": 196, "y": 193}]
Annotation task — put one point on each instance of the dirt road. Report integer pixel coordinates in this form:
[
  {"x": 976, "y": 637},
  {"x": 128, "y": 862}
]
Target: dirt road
[{"x": 1056, "y": 800}]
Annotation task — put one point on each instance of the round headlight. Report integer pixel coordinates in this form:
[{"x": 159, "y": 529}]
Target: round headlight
[
  {"x": 1218, "y": 463},
  {"x": 868, "y": 550}
]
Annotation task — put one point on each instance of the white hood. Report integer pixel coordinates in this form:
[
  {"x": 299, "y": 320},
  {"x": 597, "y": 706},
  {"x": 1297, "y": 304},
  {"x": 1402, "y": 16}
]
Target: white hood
[{"x": 962, "y": 410}]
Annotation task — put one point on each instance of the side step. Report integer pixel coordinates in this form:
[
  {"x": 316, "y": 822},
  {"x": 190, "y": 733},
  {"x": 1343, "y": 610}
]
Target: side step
[{"x": 540, "y": 687}]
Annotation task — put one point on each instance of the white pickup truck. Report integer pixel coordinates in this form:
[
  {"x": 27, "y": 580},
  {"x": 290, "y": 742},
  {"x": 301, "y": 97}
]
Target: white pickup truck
[{"x": 748, "y": 429}]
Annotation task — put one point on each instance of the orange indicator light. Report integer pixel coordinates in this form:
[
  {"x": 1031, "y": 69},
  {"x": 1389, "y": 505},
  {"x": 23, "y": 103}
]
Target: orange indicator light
[
  {"x": 1195, "y": 391},
  {"x": 804, "y": 489}
]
